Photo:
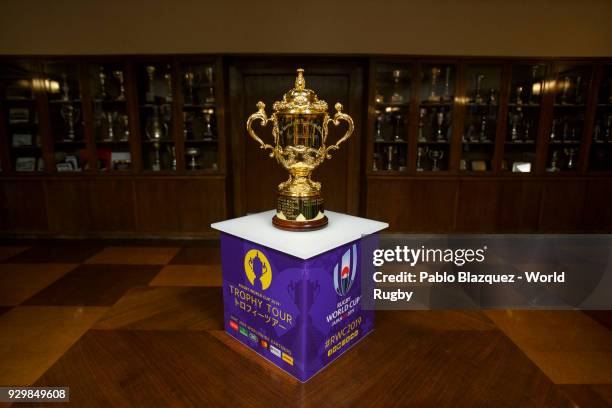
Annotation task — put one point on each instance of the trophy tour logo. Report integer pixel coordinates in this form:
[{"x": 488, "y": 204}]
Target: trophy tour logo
[
  {"x": 257, "y": 268},
  {"x": 344, "y": 274}
]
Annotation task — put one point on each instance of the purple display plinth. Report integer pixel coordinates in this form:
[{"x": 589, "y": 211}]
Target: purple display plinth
[
  {"x": 295, "y": 297},
  {"x": 299, "y": 314}
]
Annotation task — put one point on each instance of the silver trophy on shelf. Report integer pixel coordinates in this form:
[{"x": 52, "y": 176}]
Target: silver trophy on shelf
[
  {"x": 192, "y": 152},
  {"x": 471, "y": 134},
  {"x": 188, "y": 126},
  {"x": 566, "y": 130},
  {"x": 527, "y": 133},
  {"x": 492, "y": 97},
  {"x": 597, "y": 133},
  {"x": 553, "y": 131},
  {"x": 70, "y": 115},
  {"x": 110, "y": 118},
  {"x": 396, "y": 96},
  {"x": 484, "y": 130},
  {"x": 378, "y": 127},
  {"x": 435, "y": 155},
  {"x": 119, "y": 76},
  {"x": 608, "y": 131},
  {"x": 210, "y": 95},
  {"x": 446, "y": 97},
  {"x": 168, "y": 79},
  {"x": 397, "y": 127},
  {"x": 554, "y": 162},
  {"x": 477, "y": 96},
  {"x": 391, "y": 154},
  {"x": 150, "y": 94},
  {"x": 102, "y": 83},
  {"x": 156, "y": 130},
  {"x": 567, "y": 84},
  {"x": 421, "y": 151},
  {"x": 208, "y": 129},
  {"x": 519, "y": 96},
  {"x": 125, "y": 129},
  {"x": 189, "y": 82},
  {"x": 578, "y": 91},
  {"x": 65, "y": 89},
  {"x": 433, "y": 95},
  {"x": 379, "y": 99},
  {"x": 570, "y": 153},
  {"x": 536, "y": 88},
  {"x": 172, "y": 152},
  {"x": 440, "y": 137},
  {"x": 422, "y": 115}
]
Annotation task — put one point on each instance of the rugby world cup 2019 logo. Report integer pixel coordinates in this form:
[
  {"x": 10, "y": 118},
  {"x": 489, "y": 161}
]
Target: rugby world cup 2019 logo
[
  {"x": 344, "y": 273},
  {"x": 257, "y": 269}
]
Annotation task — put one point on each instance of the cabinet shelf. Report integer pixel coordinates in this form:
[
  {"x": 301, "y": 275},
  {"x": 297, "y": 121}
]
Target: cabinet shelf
[
  {"x": 390, "y": 142},
  {"x": 212, "y": 141},
  {"x": 199, "y": 106},
  {"x": 65, "y": 102}
]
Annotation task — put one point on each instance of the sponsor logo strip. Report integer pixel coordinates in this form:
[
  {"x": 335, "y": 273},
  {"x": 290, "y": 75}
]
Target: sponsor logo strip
[
  {"x": 275, "y": 351},
  {"x": 288, "y": 359}
]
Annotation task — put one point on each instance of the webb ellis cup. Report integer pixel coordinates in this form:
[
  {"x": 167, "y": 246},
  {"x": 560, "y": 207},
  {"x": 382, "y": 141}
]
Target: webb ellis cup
[{"x": 299, "y": 128}]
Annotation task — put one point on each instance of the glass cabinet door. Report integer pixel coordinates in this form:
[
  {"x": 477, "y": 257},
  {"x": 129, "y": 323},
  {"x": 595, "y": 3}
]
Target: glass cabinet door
[
  {"x": 571, "y": 87},
  {"x": 392, "y": 105},
  {"x": 199, "y": 116},
  {"x": 66, "y": 116},
  {"x": 600, "y": 157},
  {"x": 110, "y": 117},
  {"x": 478, "y": 137},
  {"x": 19, "y": 113},
  {"x": 155, "y": 113},
  {"x": 435, "y": 117},
  {"x": 525, "y": 99}
]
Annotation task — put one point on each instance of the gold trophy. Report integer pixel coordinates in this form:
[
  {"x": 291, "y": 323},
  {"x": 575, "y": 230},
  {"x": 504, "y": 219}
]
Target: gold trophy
[{"x": 300, "y": 127}]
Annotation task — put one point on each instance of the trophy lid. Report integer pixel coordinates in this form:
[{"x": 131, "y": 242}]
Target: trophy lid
[{"x": 300, "y": 100}]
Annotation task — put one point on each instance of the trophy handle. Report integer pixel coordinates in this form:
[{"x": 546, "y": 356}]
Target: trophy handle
[
  {"x": 261, "y": 116},
  {"x": 336, "y": 121}
]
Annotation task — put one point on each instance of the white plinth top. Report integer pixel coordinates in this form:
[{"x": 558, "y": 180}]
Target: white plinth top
[{"x": 342, "y": 229}]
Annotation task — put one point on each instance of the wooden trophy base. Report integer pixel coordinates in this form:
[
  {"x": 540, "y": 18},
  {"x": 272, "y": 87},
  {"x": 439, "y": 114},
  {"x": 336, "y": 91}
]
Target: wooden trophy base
[{"x": 289, "y": 225}]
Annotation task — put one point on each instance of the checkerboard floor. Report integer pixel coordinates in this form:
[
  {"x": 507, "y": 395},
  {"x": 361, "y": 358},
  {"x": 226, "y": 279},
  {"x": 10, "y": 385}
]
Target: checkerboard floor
[{"x": 142, "y": 324}]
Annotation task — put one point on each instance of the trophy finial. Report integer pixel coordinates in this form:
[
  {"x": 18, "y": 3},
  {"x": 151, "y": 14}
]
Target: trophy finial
[{"x": 300, "y": 82}]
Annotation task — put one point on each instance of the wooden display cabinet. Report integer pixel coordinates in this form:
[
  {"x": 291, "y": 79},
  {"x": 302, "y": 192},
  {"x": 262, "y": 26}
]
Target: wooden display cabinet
[
  {"x": 106, "y": 148},
  {"x": 137, "y": 146},
  {"x": 519, "y": 145}
]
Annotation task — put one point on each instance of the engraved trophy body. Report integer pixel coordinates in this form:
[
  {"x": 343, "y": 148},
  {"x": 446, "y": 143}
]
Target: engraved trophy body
[{"x": 300, "y": 127}]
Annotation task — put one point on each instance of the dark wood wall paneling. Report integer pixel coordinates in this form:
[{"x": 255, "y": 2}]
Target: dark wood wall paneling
[
  {"x": 473, "y": 205},
  {"x": 26, "y": 206},
  {"x": 74, "y": 207}
]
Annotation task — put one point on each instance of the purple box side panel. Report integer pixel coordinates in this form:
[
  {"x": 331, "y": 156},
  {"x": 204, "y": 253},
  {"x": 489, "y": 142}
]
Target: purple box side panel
[
  {"x": 336, "y": 320},
  {"x": 264, "y": 313},
  {"x": 298, "y": 314}
]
